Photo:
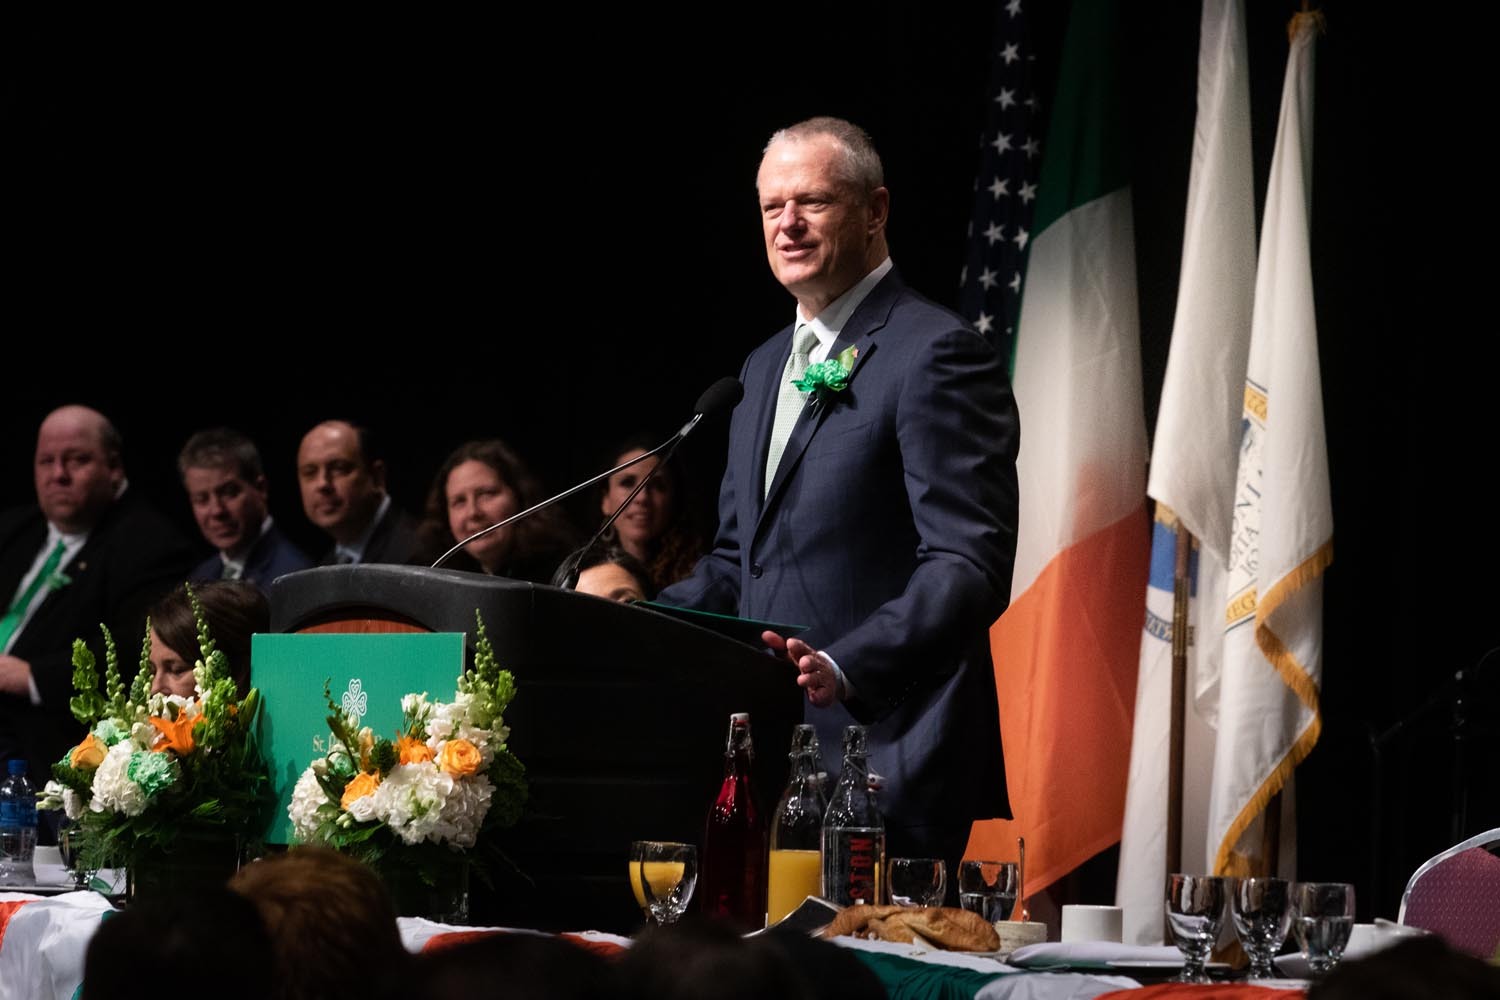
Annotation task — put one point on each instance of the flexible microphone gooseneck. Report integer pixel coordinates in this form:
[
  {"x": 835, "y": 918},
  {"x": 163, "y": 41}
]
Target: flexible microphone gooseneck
[{"x": 722, "y": 395}]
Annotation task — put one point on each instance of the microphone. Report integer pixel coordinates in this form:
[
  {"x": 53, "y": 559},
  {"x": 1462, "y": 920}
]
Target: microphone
[{"x": 720, "y": 396}]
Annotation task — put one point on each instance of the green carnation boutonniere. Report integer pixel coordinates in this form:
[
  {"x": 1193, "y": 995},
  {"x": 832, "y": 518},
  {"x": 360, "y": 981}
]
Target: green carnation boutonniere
[{"x": 825, "y": 379}]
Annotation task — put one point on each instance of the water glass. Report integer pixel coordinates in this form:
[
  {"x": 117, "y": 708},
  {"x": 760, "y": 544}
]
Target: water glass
[
  {"x": 988, "y": 888},
  {"x": 1262, "y": 915},
  {"x": 917, "y": 881},
  {"x": 662, "y": 874},
  {"x": 1323, "y": 918},
  {"x": 1195, "y": 910}
]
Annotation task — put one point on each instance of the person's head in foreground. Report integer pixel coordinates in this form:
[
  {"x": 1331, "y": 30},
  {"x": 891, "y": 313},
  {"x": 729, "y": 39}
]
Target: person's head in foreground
[
  {"x": 332, "y": 924},
  {"x": 212, "y": 941}
]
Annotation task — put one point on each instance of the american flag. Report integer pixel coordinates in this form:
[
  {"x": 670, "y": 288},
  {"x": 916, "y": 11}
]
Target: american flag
[{"x": 1005, "y": 188}]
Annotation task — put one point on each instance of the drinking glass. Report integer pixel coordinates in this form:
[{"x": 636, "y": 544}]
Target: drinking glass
[
  {"x": 988, "y": 888},
  {"x": 69, "y": 836},
  {"x": 1324, "y": 916},
  {"x": 663, "y": 873},
  {"x": 917, "y": 881},
  {"x": 1195, "y": 911},
  {"x": 1262, "y": 915}
]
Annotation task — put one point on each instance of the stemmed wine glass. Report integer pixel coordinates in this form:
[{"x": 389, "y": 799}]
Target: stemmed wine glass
[
  {"x": 1195, "y": 910},
  {"x": 663, "y": 874},
  {"x": 1262, "y": 915},
  {"x": 917, "y": 881},
  {"x": 1324, "y": 918}
]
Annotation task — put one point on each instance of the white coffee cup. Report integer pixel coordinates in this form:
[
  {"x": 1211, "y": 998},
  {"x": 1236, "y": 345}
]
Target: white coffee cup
[{"x": 1082, "y": 922}]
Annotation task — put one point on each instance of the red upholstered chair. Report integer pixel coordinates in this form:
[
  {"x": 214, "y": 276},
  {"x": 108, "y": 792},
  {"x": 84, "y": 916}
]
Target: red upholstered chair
[{"x": 1456, "y": 895}]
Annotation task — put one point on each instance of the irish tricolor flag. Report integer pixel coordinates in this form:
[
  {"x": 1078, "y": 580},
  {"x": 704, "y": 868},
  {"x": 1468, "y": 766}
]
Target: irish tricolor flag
[{"x": 1066, "y": 649}]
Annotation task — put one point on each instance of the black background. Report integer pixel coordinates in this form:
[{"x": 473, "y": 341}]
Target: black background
[{"x": 463, "y": 225}]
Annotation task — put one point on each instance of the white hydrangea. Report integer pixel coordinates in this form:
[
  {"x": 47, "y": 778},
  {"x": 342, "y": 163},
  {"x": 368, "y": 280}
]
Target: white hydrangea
[
  {"x": 465, "y": 810},
  {"x": 113, "y": 789},
  {"x": 309, "y": 806},
  {"x": 411, "y": 799}
]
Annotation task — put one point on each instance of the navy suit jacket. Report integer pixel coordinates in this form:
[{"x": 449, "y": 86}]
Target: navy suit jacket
[
  {"x": 890, "y": 531},
  {"x": 396, "y": 539},
  {"x": 132, "y": 557},
  {"x": 272, "y": 555}
]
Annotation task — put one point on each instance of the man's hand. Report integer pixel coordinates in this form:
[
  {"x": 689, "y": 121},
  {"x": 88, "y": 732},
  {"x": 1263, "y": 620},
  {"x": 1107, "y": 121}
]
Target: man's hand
[
  {"x": 15, "y": 676},
  {"x": 815, "y": 673}
]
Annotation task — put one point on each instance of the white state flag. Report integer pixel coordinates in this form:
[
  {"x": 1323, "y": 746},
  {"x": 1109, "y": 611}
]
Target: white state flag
[
  {"x": 1194, "y": 458},
  {"x": 1282, "y": 534}
]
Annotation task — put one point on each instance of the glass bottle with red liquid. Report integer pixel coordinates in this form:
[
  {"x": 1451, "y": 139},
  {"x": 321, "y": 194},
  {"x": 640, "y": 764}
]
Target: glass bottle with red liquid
[{"x": 732, "y": 876}]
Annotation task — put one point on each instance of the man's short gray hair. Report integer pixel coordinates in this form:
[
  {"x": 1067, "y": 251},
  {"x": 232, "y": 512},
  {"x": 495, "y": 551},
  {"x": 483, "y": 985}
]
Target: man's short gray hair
[{"x": 859, "y": 164}]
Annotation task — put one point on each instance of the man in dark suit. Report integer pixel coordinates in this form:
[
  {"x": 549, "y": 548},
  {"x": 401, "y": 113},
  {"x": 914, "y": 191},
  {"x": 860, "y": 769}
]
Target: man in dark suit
[
  {"x": 878, "y": 508},
  {"x": 226, "y": 487},
  {"x": 91, "y": 551},
  {"x": 343, "y": 492}
]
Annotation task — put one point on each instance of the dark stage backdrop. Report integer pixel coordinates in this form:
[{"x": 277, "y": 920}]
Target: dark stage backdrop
[{"x": 455, "y": 226}]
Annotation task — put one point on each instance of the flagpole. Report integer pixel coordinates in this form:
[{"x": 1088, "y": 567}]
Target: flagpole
[{"x": 1181, "y": 592}]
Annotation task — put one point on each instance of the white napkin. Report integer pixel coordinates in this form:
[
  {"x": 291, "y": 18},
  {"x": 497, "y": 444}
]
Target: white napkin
[{"x": 1091, "y": 953}]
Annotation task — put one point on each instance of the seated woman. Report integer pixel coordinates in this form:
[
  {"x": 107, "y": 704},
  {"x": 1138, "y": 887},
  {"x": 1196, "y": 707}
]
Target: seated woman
[
  {"x": 234, "y": 610},
  {"x": 658, "y": 528},
  {"x": 608, "y": 571},
  {"x": 483, "y": 483}
]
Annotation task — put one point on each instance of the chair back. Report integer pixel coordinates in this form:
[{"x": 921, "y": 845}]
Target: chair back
[{"x": 1456, "y": 895}]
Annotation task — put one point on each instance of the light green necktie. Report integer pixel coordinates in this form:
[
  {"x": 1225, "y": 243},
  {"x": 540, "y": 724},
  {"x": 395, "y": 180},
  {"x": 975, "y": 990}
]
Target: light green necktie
[
  {"x": 12, "y": 619},
  {"x": 789, "y": 402}
]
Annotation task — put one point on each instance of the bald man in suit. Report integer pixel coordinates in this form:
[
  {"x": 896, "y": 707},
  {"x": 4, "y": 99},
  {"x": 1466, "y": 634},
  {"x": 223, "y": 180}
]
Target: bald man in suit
[{"x": 89, "y": 551}]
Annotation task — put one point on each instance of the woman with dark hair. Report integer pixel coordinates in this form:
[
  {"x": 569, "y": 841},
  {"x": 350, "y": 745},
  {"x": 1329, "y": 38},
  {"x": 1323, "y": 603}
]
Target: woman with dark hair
[
  {"x": 658, "y": 528},
  {"x": 235, "y": 610},
  {"x": 483, "y": 483}
]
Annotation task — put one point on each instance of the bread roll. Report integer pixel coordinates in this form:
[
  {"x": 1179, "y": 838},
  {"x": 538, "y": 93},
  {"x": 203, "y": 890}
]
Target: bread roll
[{"x": 942, "y": 926}]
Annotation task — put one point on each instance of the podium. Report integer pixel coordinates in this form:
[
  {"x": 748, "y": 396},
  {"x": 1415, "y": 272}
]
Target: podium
[{"x": 620, "y": 718}]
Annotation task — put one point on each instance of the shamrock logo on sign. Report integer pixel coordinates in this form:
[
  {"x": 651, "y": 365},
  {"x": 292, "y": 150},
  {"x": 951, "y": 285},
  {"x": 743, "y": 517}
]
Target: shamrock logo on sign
[{"x": 355, "y": 701}]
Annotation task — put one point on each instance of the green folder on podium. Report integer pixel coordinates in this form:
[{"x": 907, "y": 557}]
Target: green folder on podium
[{"x": 367, "y": 675}]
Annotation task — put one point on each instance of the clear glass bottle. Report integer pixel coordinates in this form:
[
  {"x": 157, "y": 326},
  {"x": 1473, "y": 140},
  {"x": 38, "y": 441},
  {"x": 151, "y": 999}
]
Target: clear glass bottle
[
  {"x": 853, "y": 841},
  {"x": 795, "y": 868},
  {"x": 732, "y": 879},
  {"x": 17, "y": 827}
]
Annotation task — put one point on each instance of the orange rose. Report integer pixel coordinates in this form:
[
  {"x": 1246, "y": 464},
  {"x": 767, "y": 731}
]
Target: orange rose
[
  {"x": 459, "y": 758},
  {"x": 179, "y": 734},
  {"x": 413, "y": 751},
  {"x": 89, "y": 754},
  {"x": 364, "y": 783}
]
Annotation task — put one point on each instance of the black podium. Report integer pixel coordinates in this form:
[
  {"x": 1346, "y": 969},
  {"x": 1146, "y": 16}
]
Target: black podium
[{"x": 620, "y": 718}]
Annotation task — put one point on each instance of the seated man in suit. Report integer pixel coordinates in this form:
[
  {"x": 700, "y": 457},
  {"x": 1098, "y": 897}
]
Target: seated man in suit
[
  {"x": 876, "y": 502},
  {"x": 343, "y": 492},
  {"x": 90, "y": 551},
  {"x": 226, "y": 486}
]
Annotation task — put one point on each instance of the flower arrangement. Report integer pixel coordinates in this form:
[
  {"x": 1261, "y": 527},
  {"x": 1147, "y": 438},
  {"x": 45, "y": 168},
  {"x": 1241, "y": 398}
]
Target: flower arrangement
[
  {"x": 822, "y": 381},
  {"x": 431, "y": 797},
  {"x": 156, "y": 771}
]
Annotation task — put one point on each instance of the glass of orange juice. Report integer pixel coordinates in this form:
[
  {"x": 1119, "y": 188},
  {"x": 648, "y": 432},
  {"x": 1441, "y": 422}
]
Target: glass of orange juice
[{"x": 662, "y": 875}]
